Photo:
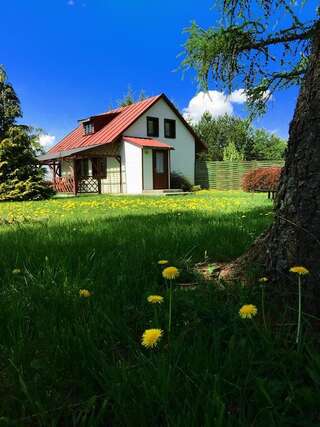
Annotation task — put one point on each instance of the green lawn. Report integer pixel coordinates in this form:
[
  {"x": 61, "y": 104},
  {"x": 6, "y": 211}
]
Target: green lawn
[{"x": 72, "y": 361}]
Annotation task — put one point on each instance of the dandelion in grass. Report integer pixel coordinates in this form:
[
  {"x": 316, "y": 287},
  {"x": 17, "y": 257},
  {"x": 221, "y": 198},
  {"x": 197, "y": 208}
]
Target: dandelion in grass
[
  {"x": 151, "y": 337},
  {"x": 170, "y": 273},
  {"x": 300, "y": 271},
  {"x": 263, "y": 279},
  {"x": 16, "y": 271},
  {"x": 84, "y": 293},
  {"x": 163, "y": 262},
  {"x": 248, "y": 311},
  {"x": 155, "y": 299}
]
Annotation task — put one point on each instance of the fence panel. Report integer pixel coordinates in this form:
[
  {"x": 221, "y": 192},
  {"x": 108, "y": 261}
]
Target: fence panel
[{"x": 227, "y": 175}]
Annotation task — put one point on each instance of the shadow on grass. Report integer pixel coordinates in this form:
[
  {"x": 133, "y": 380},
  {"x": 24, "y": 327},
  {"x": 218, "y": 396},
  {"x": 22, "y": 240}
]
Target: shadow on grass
[{"x": 127, "y": 244}]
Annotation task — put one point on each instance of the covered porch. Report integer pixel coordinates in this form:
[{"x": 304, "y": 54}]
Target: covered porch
[{"x": 85, "y": 171}]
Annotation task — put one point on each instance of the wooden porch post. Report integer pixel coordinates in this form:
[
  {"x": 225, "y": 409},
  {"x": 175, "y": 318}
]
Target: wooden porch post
[
  {"x": 75, "y": 178},
  {"x": 169, "y": 169},
  {"x": 120, "y": 168},
  {"x": 53, "y": 168}
]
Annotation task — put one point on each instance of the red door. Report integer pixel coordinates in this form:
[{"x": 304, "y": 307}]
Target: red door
[{"x": 160, "y": 169}]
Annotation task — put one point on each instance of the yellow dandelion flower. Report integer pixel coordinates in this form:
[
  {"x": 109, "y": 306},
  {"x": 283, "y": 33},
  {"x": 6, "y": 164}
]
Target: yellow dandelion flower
[
  {"x": 155, "y": 299},
  {"x": 170, "y": 273},
  {"x": 16, "y": 271},
  {"x": 151, "y": 337},
  {"x": 299, "y": 270},
  {"x": 248, "y": 311},
  {"x": 84, "y": 293},
  {"x": 163, "y": 262},
  {"x": 263, "y": 279}
]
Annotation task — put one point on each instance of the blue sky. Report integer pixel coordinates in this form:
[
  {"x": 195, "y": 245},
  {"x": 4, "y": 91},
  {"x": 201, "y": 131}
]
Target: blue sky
[{"x": 71, "y": 58}]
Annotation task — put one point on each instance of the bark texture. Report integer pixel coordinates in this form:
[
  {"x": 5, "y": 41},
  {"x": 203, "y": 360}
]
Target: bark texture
[{"x": 294, "y": 238}]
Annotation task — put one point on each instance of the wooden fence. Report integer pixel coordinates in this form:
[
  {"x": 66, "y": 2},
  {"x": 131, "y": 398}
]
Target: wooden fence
[{"x": 227, "y": 175}]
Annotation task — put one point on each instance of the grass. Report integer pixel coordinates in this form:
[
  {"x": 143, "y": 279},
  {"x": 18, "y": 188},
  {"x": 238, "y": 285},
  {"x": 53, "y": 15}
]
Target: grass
[{"x": 71, "y": 361}]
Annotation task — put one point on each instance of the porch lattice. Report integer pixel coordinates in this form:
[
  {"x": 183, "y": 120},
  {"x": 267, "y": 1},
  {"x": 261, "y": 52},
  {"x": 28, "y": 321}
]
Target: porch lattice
[{"x": 88, "y": 185}]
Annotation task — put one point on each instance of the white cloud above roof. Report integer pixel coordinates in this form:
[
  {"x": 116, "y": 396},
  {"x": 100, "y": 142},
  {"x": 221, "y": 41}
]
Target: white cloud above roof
[
  {"x": 47, "y": 140},
  {"x": 214, "y": 102}
]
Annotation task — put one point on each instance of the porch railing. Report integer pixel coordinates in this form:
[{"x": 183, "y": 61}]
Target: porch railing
[{"x": 64, "y": 184}]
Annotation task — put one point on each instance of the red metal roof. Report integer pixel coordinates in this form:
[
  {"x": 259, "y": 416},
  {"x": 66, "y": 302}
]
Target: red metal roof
[
  {"x": 147, "y": 142},
  {"x": 120, "y": 119},
  {"x": 125, "y": 117}
]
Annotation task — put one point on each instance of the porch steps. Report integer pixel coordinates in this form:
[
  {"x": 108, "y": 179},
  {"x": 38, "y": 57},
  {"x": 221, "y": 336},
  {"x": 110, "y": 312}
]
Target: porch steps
[{"x": 165, "y": 192}]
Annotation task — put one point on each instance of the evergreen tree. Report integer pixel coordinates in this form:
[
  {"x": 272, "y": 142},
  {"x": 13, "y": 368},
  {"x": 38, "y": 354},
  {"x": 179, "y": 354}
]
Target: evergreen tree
[
  {"x": 230, "y": 152},
  {"x": 9, "y": 104},
  {"x": 266, "y": 45},
  {"x": 21, "y": 176},
  {"x": 129, "y": 98}
]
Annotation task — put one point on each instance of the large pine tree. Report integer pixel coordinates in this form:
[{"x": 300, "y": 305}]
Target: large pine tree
[
  {"x": 21, "y": 175},
  {"x": 264, "y": 46},
  {"x": 9, "y": 104}
]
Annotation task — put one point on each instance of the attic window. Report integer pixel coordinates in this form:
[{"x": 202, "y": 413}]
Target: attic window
[
  {"x": 88, "y": 128},
  {"x": 152, "y": 126},
  {"x": 169, "y": 128}
]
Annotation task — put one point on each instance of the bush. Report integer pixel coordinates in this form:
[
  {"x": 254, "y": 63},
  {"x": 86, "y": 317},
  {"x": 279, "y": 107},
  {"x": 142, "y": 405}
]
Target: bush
[
  {"x": 262, "y": 179},
  {"x": 30, "y": 189},
  {"x": 179, "y": 181}
]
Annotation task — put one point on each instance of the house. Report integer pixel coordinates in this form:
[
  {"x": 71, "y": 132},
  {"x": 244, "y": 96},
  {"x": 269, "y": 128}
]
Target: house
[{"x": 130, "y": 150}]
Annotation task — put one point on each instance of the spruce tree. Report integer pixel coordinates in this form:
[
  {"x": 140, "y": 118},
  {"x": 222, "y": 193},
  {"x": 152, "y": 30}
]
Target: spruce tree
[
  {"x": 21, "y": 175},
  {"x": 9, "y": 104}
]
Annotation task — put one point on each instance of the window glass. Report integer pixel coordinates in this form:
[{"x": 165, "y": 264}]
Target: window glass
[
  {"x": 88, "y": 128},
  {"x": 84, "y": 167},
  {"x": 99, "y": 167},
  {"x": 152, "y": 126},
  {"x": 169, "y": 128},
  {"x": 160, "y": 162}
]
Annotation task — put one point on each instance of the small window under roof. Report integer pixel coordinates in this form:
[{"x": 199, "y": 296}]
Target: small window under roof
[{"x": 88, "y": 128}]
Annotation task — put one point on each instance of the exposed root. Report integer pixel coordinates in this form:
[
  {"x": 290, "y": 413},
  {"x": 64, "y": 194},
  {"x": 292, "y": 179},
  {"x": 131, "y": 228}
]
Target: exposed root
[{"x": 237, "y": 270}]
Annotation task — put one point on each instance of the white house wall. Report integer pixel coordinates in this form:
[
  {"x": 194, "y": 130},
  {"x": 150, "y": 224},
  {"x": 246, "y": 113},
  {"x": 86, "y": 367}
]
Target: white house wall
[
  {"x": 132, "y": 161},
  {"x": 183, "y": 155},
  {"x": 147, "y": 169},
  {"x": 111, "y": 184}
]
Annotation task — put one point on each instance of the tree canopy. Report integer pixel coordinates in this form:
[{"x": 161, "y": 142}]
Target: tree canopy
[
  {"x": 260, "y": 45},
  {"x": 232, "y": 138}
]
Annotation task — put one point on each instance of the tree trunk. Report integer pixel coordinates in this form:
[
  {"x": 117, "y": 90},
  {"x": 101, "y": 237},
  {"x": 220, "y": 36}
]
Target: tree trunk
[{"x": 294, "y": 238}]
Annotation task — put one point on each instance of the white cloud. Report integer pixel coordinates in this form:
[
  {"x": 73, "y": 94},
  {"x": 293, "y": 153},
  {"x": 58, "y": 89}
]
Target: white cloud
[
  {"x": 238, "y": 96},
  {"x": 47, "y": 140},
  {"x": 214, "y": 102}
]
